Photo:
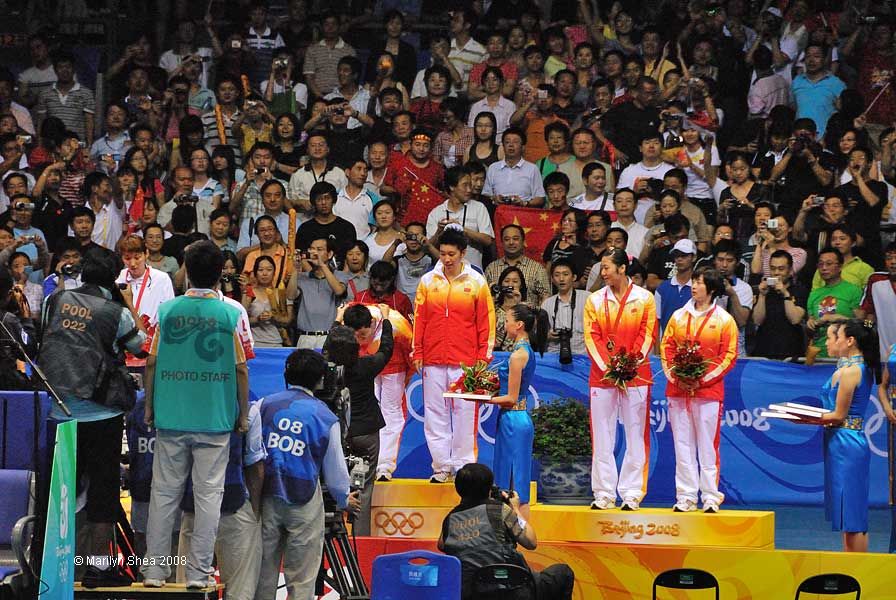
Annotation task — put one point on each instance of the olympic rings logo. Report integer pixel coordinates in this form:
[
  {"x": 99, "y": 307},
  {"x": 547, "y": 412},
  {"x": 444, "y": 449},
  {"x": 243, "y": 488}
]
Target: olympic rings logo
[{"x": 398, "y": 522}]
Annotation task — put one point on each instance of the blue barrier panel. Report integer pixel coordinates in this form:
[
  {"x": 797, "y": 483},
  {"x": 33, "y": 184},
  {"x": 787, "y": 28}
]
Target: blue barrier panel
[{"x": 763, "y": 462}]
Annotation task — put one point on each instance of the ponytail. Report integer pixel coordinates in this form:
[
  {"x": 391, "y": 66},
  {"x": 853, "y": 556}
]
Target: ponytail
[
  {"x": 865, "y": 335},
  {"x": 535, "y": 322}
]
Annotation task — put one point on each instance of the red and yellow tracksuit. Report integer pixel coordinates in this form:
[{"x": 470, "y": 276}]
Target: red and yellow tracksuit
[
  {"x": 695, "y": 417},
  {"x": 610, "y": 327},
  {"x": 454, "y": 325}
]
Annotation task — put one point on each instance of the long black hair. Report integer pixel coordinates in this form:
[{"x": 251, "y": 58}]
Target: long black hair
[
  {"x": 535, "y": 322},
  {"x": 865, "y": 335}
]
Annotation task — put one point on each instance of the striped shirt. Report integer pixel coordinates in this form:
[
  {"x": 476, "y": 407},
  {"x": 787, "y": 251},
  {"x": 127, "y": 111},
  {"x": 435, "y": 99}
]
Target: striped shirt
[
  {"x": 263, "y": 45},
  {"x": 321, "y": 61},
  {"x": 210, "y": 124},
  {"x": 70, "y": 108},
  {"x": 464, "y": 59}
]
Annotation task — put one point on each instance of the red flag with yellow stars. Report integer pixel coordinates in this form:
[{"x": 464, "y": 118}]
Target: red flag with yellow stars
[
  {"x": 540, "y": 226},
  {"x": 422, "y": 198}
]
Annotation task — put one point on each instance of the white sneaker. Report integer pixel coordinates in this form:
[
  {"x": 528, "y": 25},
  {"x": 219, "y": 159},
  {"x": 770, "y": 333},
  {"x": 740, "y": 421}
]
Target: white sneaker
[
  {"x": 685, "y": 506},
  {"x": 710, "y": 506},
  {"x": 153, "y": 583},
  {"x": 630, "y": 504},
  {"x": 384, "y": 476},
  {"x": 200, "y": 585},
  {"x": 440, "y": 477},
  {"x": 603, "y": 503}
]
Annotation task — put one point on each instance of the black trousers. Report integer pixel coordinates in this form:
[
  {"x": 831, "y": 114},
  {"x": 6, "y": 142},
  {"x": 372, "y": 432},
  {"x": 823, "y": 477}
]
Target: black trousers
[
  {"x": 554, "y": 583},
  {"x": 366, "y": 446}
]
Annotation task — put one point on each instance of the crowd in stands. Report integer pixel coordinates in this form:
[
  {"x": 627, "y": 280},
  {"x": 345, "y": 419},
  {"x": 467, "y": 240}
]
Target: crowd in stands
[{"x": 324, "y": 152}]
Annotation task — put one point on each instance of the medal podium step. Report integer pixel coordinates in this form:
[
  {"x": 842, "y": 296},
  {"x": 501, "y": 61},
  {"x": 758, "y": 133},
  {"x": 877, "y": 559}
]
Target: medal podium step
[{"x": 170, "y": 591}]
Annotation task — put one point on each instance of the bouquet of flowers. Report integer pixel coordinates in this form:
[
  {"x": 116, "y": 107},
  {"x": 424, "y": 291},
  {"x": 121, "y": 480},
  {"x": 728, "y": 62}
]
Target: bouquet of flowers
[
  {"x": 478, "y": 379},
  {"x": 623, "y": 367},
  {"x": 688, "y": 364}
]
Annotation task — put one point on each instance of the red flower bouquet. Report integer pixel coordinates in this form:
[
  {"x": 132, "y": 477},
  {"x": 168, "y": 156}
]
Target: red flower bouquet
[
  {"x": 478, "y": 379},
  {"x": 623, "y": 367},
  {"x": 688, "y": 365}
]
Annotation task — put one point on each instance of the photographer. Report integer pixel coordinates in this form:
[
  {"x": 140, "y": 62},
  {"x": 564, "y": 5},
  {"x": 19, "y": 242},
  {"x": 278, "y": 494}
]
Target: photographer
[
  {"x": 15, "y": 316},
  {"x": 485, "y": 528},
  {"x": 565, "y": 311},
  {"x": 94, "y": 323},
  {"x": 778, "y": 311},
  {"x": 303, "y": 442},
  {"x": 805, "y": 169},
  {"x": 316, "y": 288},
  {"x": 342, "y": 347},
  {"x": 68, "y": 267}
]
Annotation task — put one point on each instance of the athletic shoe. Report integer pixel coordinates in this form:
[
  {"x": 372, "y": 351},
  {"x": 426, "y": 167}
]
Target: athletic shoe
[
  {"x": 603, "y": 503},
  {"x": 201, "y": 585},
  {"x": 631, "y": 504},
  {"x": 685, "y": 506},
  {"x": 153, "y": 583},
  {"x": 440, "y": 477},
  {"x": 112, "y": 577},
  {"x": 384, "y": 476},
  {"x": 710, "y": 506}
]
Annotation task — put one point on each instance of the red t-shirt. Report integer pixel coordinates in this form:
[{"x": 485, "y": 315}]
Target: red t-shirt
[{"x": 418, "y": 187}]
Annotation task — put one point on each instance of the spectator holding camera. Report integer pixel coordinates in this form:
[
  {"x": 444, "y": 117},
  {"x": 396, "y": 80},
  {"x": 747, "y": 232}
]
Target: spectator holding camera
[
  {"x": 497, "y": 528},
  {"x": 818, "y": 217},
  {"x": 565, "y": 309},
  {"x": 804, "y": 169},
  {"x": 280, "y": 92},
  {"x": 186, "y": 50},
  {"x": 865, "y": 198},
  {"x": 738, "y": 202},
  {"x": 67, "y": 274},
  {"x": 317, "y": 289},
  {"x": 779, "y": 310},
  {"x": 737, "y": 296},
  {"x": 774, "y": 234}
]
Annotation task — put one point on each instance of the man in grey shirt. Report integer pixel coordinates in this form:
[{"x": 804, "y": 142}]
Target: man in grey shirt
[
  {"x": 317, "y": 290},
  {"x": 566, "y": 308}
]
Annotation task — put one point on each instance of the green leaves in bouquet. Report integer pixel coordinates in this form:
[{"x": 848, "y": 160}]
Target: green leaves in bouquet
[{"x": 562, "y": 430}]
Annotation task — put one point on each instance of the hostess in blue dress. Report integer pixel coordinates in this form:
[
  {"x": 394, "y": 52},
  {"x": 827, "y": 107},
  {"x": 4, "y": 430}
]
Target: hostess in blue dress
[
  {"x": 847, "y": 460},
  {"x": 513, "y": 441}
]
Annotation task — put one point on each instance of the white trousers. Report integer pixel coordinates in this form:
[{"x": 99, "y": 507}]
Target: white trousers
[
  {"x": 695, "y": 426},
  {"x": 389, "y": 390},
  {"x": 607, "y": 405},
  {"x": 449, "y": 425}
]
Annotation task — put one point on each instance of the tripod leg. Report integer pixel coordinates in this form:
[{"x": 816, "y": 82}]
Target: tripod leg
[
  {"x": 337, "y": 578},
  {"x": 359, "y": 586}
]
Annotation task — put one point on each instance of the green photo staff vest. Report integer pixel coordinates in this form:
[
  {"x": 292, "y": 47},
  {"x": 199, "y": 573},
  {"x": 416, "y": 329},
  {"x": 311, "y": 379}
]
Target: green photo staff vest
[{"x": 195, "y": 386}]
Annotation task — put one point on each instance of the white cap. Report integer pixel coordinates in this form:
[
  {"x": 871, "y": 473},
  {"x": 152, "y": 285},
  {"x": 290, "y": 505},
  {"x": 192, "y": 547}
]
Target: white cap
[
  {"x": 774, "y": 10},
  {"x": 685, "y": 246}
]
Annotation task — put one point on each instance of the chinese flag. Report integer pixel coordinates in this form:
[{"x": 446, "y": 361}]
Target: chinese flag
[
  {"x": 135, "y": 212},
  {"x": 540, "y": 225},
  {"x": 422, "y": 198}
]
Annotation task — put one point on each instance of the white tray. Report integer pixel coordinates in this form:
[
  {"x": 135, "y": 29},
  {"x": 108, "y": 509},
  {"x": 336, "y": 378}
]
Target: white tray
[{"x": 472, "y": 397}]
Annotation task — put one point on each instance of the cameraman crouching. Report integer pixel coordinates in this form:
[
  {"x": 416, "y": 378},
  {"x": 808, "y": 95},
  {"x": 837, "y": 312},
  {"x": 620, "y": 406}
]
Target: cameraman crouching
[
  {"x": 483, "y": 531},
  {"x": 303, "y": 439}
]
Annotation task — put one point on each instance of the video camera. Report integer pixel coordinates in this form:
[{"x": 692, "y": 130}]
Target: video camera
[{"x": 496, "y": 493}]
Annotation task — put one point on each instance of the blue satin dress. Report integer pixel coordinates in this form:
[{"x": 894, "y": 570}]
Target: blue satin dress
[
  {"x": 513, "y": 440},
  {"x": 847, "y": 461}
]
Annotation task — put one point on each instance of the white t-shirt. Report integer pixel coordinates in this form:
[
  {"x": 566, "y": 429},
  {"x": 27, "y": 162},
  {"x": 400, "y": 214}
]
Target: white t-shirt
[
  {"x": 355, "y": 210},
  {"x": 473, "y": 215},
  {"x": 604, "y": 202},
  {"x": 745, "y": 296},
  {"x": 636, "y": 234},
  {"x": 171, "y": 61},
  {"x": 697, "y": 186},
  {"x": 158, "y": 289}
]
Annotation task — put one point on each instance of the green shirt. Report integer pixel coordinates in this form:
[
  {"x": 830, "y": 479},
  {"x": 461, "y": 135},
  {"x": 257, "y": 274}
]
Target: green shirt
[
  {"x": 197, "y": 349},
  {"x": 856, "y": 272},
  {"x": 841, "y": 299}
]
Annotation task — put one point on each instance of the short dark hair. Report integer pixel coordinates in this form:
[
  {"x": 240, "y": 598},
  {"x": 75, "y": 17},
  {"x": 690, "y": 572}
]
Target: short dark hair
[
  {"x": 272, "y": 182},
  {"x": 218, "y": 213},
  {"x": 452, "y": 237},
  {"x": 515, "y": 131},
  {"x": 183, "y": 219},
  {"x": 91, "y": 181},
  {"x": 591, "y": 168},
  {"x": 712, "y": 279},
  {"x": 204, "y": 262},
  {"x": 556, "y": 178},
  {"x": 563, "y": 262},
  {"x": 731, "y": 247},
  {"x": 678, "y": 174},
  {"x": 99, "y": 268},
  {"x": 560, "y": 126},
  {"x": 602, "y": 215},
  {"x": 473, "y": 482},
  {"x": 357, "y": 316},
  {"x": 453, "y": 175},
  {"x": 341, "y": 347},
  {"x": 322, "y": 188},
  {"x": 620, "y": 231},
  {"x": 782, "y": 254},
  {"x": 81, "y": 211},
  {"x": 832, "y": 250},
  {"x": 382, "y": 270},
  {"x": 353, "y": 63},
  {"x": 474, "y": 166},
  {"x": 261, "y": 146},
  {"x": 514, "y": 226},
  {"x": 304, "y": 368}
]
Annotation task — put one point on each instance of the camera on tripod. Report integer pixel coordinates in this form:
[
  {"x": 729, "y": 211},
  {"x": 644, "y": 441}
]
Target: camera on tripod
[
  {"x": 565, "y": 336},
  {"x": 358, "y": 468}
]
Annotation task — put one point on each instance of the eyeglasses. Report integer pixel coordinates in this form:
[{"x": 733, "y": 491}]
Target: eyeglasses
[{"x": 181, "y": 91}]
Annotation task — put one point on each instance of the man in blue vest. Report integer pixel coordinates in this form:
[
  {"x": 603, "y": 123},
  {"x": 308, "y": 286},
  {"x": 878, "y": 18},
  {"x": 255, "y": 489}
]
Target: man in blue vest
[
  {"x": 303, "y": 441},
  {"x": 673, "y": 293},
  {"x": 197, "y": 392}
]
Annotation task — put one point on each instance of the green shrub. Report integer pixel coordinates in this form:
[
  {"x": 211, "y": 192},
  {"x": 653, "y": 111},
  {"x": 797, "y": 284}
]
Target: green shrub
[{"x": 562, "y": 430}]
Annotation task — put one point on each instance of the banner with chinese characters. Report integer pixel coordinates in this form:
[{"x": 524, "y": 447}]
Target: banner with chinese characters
[
  {"x": 58, "y": 564},
  {"x": 539, "y": 225},
  {"x": 762, "y": 462}
]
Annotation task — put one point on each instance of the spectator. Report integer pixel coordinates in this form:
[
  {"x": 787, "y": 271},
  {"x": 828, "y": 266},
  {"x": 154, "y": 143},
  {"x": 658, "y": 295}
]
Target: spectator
[
  {"x": 496, "y": 49},
  {"x": 492, "y": 81},
  {"x": 499, "y": 528},
  {"x": 768, "y": 89},
  {"x": 109, "y": 150},
  {"x": 804, "y": 169},
  {"x": 357, "y": 258},
  {"x": 675, "y": 292},
  {"x": 854, "y": 270},
  {"x": 23, "y": 213},
  {"x": 107, "y": 208},
  {"x": 317, "y": 290},
  {"x": 8, "y": 106},
  {"x": 40, "y": 75},
  {"x": 405, "y": 56},
  {"x": 390, "y": 103},
  {"x": 246, "y": 202},
  {"x": 20, "y": 267},
  {"x": 485, "y": 148},
  {"x": 566, "y": 243},
  {"x": 584, "y": 148},
  {"x": 322, "y": 58},
  {"x": 531, "y": 71},
  {"x": 465, "y": 51},
  {"x": 427, "y": 109},
  {"x": 535, "y": 278},
  {"x": 269, "y": 244},
  {"x": 270, "y": 311},
  {"x": 154, "y": 237},
  {"x": 509, "y": 291},
  {"x": 877, "y": 59},
  {"x": 535, "y": 115},
  {"x": 460, "y": 209},
  {"x": 597, "y": 226},
  {"x": 561, "y": 307},
  {"x": 738, "y": 201},
  {"x": 139, "y": 55},
  {"x": 514, "y": 180},
  {"x": 209, "y": 192},
  {"x": 273, "y": 196},
  {"x": 415, "y": 176},
  {"x": 815, "y": 92},
  {"x": 68, "y": 100},
  {"x": 624, "y": 205},
  {"x": 384, "y": 234},
  {"x": 631, "y": 122},
  {"x": 355, "y": 202},
  {"x": 836, "y": 300},
  {"x": 779, "y": 311},
  {"x": 137, "y": 160},
  {"x": 318, "y": 169},
  {"x": 417, "y": 258},
  {"x": 865, "y": 199},
  {"x": 556, "y": 152},
  {"x": 453, "y": 143},
  {"x": 219, "y": 223},
  {"x": 637, "y": 176},
  {"x": 595, "y": 196},
  {"x": 255, "y": 124},
  {"x": 68, "y": 267},
  {"x": 219, "y": 122},
  {"x": 82, "y": 224},
  {"x": 737, "y": 299},
  {"x": 262, "y": 40},
  {"x": 350, "y": 91},
  {"x": 186, "y": 50},
  {"x": 325, "y": 224},
  {"x": 439, "y": 48},
  {"x": 774, "y": 234},
  {"x": 282, "y": 93},
  {"x": 556, "y": 188}
]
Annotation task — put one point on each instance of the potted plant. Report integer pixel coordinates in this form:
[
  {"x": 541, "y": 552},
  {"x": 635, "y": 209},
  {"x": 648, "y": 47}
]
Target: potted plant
[{"x": 563, "y": 447}]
